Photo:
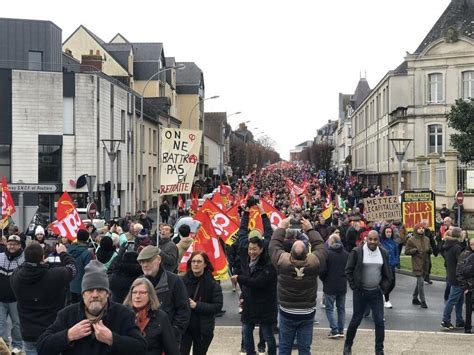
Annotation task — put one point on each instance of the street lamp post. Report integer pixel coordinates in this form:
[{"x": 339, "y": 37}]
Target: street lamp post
[
  {"x": 142, "y": 127},
  {"x": 400, "y": 145}
]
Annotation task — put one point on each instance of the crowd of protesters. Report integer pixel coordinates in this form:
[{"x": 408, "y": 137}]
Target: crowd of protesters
[{"x": 118, "y": 290}]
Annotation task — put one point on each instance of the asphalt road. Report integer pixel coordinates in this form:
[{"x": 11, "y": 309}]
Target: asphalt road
[{"x": 403, "y": 316}]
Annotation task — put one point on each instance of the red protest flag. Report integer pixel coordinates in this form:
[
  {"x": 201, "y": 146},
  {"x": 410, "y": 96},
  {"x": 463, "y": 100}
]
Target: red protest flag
[
  {"x": 273, "y": 214},
  {"x": 65, "y": 206},
  {"x": 218, "y": 201},
  {"x": 222, "y": 225},
  {"x": 194, "y": 203},
  {"x": 255, "y": 219},
  {"x": 8, "y": 206},
  {"x": 206, "y": 241},
  {"x": 68, "y": 220},
  {"x": 224, "y": 190},
  {"x": 233, "y": 214}
]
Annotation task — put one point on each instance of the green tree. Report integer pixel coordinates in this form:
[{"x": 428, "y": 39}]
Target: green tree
[{"x": 461, "y": 118}]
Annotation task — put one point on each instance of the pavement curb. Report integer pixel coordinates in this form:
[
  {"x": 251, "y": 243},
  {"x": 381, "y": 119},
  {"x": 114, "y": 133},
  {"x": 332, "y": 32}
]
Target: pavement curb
[{"x": 409, "y": 273}]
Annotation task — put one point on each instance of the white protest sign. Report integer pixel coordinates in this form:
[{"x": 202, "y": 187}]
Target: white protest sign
[
  {"x": 178, "y": 159},
  {"x": 382, "y": 208}
]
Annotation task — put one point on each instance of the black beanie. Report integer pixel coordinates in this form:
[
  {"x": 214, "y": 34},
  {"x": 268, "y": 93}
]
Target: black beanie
[
  {"x": 82, "y": 235},
  {"x": 95, "y": 276},
  {"x": 106, "y": 244}
]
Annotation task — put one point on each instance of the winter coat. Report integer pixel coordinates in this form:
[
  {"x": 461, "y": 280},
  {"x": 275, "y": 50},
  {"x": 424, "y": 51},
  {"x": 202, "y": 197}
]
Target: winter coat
[
  {"x": 209, "y": 302},
  {"x": 355, "y": 263},
  {"x": 297, "y": 279},
  {"x": 467, "y": 283},
  {"x": 183, "y": 246},
  {"x": 127, "y": 338},
  {"x": 174, "y": 301},
  {"x": 392, "y": 249},
  {"x": 169, "y": 254},
  {"x": 122, "y": 273},
  {"x": 452, "y": 250},
  {"x": 159, "y": 335},
  {"x": 334, "y": 278},
  {"x": 8, "y": 264},
  {"x": 259, "y": 292},
  {"x": 81, "y": 254},
  {"x": 41, "y": 293},
  {"x": 419, "y": 248}
]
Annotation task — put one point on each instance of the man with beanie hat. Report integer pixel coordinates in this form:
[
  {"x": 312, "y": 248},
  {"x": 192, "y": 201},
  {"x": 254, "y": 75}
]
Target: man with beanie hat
[
  {"x": 94, "y": 326},
  {"x": 40, "y": 291},
  {"x": 419, "y": 247},
  {"x": 82, "y": 256},
  {"x": 10, "y": 260}
]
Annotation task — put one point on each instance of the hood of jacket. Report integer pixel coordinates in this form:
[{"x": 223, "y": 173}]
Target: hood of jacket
[
  {"x": 76, "y": 249},
  {"x": 450, "y": 242},
  {"x": 337, "y": 247},
  {"x": 30, "y": 273}
]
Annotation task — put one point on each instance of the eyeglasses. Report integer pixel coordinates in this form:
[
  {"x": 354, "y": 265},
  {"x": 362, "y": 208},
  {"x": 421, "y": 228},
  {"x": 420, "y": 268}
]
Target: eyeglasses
[
  {"x": 139, "y": 293},
  {"x": 197, "y": 261}
]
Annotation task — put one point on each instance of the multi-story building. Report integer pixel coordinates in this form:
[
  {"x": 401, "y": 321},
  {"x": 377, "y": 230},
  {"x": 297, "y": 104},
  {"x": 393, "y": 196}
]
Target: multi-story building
[
  {"x": 412, "y": 102},
  {"x": 58, "y": 120},
  {"x": 145, "y": 69},
  {"x": 296, "y": 153},
  {"x": 216, "y": 143}
]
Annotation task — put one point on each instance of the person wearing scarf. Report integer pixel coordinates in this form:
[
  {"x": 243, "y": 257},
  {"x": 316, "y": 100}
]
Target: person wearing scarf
[
  {"x": 205, "y": 301},
  {"x": 153, "y": 322}
]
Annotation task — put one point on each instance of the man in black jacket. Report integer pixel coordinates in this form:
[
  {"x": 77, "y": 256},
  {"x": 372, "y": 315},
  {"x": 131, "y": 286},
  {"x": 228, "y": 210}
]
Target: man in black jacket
[
  {"x": 335, "y": 286},
  {"x": 452, "y": 250},
  {"x": 370, "y": 276},
  {"x": 169, "y": 288},
  {"x": 95, "y": 325},
  {"x": 40, "y": 291}
]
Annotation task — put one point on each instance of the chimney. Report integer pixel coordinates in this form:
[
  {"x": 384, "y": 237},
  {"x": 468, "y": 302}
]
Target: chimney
[{"x": 91, "y": 60}]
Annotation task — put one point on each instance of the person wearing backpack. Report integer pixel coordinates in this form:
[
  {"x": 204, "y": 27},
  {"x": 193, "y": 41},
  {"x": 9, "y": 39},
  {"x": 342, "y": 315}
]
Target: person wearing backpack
[
  {"x": 465, "y": 279},
  {"x": 82, "y": 256}
]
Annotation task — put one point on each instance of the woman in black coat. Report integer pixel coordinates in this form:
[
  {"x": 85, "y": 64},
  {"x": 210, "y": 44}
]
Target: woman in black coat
[
  {"x": 153, "y": 322},
  {"x": 205, "y": 301}
]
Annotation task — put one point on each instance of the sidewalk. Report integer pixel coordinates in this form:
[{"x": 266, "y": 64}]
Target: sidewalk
[{"x": 227, "y": 342}]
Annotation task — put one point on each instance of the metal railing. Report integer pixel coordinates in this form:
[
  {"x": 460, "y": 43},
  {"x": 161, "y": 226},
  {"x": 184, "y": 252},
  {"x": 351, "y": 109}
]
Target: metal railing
[{"x": 464, "y": 172}]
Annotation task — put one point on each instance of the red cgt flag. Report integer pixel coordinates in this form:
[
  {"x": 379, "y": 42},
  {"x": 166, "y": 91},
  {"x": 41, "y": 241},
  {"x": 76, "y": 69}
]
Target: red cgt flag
[
  {"x": 206, "y": 241},
  {"x": 222, "y": 225},
  {"x": 194, "y": 203},
  {"x": 68, "y": 220},
  {"x": 8, "y": 206}
]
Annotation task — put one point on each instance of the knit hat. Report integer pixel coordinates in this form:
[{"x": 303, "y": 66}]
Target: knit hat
[
  {"x": 82, "y": 235},
  {"x": 143, "y": 233},
  {"x": 419, "y": 225},
  {"x": 255, "y": 233},
  {"x": 95, "y": 276},
  {"x": 39, "y": 230}
]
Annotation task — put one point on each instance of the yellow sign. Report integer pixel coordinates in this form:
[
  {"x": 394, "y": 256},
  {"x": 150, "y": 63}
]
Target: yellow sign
[{"x": 418, "y": 207}]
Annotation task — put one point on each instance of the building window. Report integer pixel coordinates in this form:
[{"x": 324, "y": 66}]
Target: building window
[
  {"x": 68, "y": 115},
  {"x": 435, "y": 87},
  {"x": 5, "y": 161},
  {"x": 122, "y": 125},
  {"x": 435, "y": 138},
  {"x": 35, "y": 60},
  {"x": 49, "y": 163},
  {"x": 468, "y": 85}
]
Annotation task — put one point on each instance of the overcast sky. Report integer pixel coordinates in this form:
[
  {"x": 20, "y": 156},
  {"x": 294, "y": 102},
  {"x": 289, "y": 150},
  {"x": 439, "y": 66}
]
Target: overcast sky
[{"x": 281, "y": 63}]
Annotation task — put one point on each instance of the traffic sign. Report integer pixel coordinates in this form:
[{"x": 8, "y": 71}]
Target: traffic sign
[
  {"x": 45, "y": 188},
  {"x": 460, "y": 197},
  {"x": 91, "y": 210}
]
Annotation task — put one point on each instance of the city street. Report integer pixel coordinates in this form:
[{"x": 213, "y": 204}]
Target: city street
[{"x": 403, "y": 315}]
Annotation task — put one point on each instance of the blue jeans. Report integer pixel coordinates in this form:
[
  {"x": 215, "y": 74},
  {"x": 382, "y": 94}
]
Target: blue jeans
[
  {"x": 375, "y": 300},
  {"x": 267, "y": 332},
  {"x": 455, "y": 299},
  {"x": 302, "y": 329},
  {"x": 30, "y": 348},
  {"x": 340, "y": 300},
  {"x": 9, "y": 309}
]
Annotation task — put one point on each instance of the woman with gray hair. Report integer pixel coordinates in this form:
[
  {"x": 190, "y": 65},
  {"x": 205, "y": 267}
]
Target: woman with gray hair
[{"x": 152, "y": 321}]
